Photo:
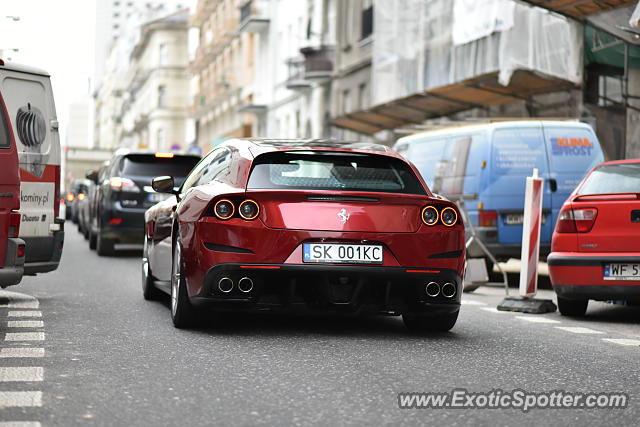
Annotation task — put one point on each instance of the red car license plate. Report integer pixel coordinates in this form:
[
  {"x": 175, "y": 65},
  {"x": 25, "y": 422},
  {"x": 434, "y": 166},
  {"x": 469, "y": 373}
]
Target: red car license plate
[{"x": 342, "y": 253}]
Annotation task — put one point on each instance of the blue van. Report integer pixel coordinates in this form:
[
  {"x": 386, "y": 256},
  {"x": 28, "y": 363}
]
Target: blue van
[{"x": 488, "y": 163}]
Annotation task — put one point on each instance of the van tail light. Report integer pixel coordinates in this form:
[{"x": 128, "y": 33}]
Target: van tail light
[
  {"x": 56, "y": 196},
  {"x": 123, "y": 184},
  {"x": 488, "y": 218},
  {"x": 14, "y": 224},
  {"x": 576, "y": 220}
]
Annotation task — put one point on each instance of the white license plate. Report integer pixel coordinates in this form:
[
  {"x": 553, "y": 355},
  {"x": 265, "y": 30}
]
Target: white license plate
[
  {"x": 518, "y": 219},
  {"x": 342, "y": 253},
  {"x": 621, "y": 272},
  {"x": 158, "y": 197}
]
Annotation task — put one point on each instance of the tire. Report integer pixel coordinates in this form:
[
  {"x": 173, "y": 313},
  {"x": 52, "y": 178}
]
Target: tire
[
  {"x": 572, "y": 307},
  {"x": 104, "y": 247},
  {"x": 430, "y": 323},
  {"x": 149, "y": 291},
  {"x": 93, "y": 241},
  {"x": 182, "y": 312}
]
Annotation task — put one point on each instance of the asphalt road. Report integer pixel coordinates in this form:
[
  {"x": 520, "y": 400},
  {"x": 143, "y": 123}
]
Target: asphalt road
[{"x": 110, "y": 358}]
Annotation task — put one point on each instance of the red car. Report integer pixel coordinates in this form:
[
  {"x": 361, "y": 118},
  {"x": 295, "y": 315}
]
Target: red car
[
  {"x": 272, "y": 225},
  {"x": 595, "y": 252},
  {"x": 12, "y": 248}
]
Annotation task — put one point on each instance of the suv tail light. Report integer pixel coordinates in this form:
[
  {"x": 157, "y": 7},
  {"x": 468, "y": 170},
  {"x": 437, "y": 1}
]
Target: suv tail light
[
  {"x": 14, "y": 224},
  {"x": 488, "y": 219},
  {"x": 576, "y": 220},
  {"x": 123, "y": 184}
]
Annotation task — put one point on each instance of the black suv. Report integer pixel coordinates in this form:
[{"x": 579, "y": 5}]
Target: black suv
[{"x": 123, "y": 193}]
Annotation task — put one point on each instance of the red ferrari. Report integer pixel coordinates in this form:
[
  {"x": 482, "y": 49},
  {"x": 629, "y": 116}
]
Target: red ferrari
[
  {"x": 595, "y": 252},
  {"x": 315, "y": 226}
]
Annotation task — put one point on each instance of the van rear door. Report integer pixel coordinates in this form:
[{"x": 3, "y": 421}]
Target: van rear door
[
  {"x": 9, "y": 180},
  {"x": 573, "y": 150},
  {"x": 516, "y": 151}
]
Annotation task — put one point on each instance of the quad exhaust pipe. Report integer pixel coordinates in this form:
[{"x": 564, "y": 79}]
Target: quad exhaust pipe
[
  {"x": 433, "y": 289},
  {"x": 226, "y": 285}
]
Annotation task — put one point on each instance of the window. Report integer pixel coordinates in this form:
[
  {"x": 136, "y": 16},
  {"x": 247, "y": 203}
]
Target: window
[
  {"x": 363, "y": 96},
  {"x": 160, "y": 139},
  {"x": 616, "y": 179},
  {"x": 162, "y": 54},
  {"x": 367, "y": 19},
  {"x": 346, "y": 101},
  {"x": 317, "y": 170},
  {"x": 150, "y": 165},
  {"x": 162, "y": 94}
]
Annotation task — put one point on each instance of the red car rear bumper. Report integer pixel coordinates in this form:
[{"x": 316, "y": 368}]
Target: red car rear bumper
[{"x": 581, "y": 275}]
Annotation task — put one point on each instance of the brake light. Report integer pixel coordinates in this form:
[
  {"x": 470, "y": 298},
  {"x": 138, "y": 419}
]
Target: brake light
[
  {"x": 123, "y": 184},
  {"x": 164, "y": 155},
  {"x": 115, "y": 221},
  {"x": 488, "y": 218},
  {"x": 20, "y": 251},
  {"x": 81, "y": 196},
  {"x": 576, "y": 220},
  {"x": 70, "y": 197},
  {"x": 14, "y": 224}
]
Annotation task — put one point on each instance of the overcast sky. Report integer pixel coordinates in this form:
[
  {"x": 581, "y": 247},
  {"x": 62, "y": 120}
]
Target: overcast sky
[{"x": 57, "y": 36}]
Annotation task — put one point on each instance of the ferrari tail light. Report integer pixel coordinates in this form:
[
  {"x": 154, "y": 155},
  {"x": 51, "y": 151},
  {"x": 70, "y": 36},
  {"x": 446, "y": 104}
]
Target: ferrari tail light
[
  {"x": 224, "y": 209},
  {"x": 123, "y": 184},
  {"x": 576, "y": 220},
  {"x": 430, "y": 215},
  {"x": 249, "y": 209},
  {"x": 487, "y": 218},
  {"x": 14, "y": 224},
  {"x": 449, "y": 216}
]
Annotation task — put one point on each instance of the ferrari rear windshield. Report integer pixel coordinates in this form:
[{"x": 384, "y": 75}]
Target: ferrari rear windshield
[
  {"x": 333, "y": 171},
  {"x": 613, "y": 179}
]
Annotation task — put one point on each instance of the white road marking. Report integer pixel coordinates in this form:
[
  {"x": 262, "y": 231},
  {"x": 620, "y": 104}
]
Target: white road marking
[
  {"x": 623, "y": 341},
  {"x": 493, "y": 310},
  {"x": 24, "y": 336},
  {"x": 10, "y": 399},
  {"x": 533, "y": 319},
  {"x": 23, "y": 304},
  {"x": 21, "y": 352},
  {"x": 20, "y": 424},
  {"x": 578, "y": 330},
  {"x": 25, "y": 324},
  {"x": 24, "y": 313},
  {"x": 30, "y": 373},
  {"x": 472, "y": 302}
]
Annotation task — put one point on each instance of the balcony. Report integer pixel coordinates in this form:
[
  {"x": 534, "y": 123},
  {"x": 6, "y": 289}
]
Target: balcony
[
  {"x": 296, "y": 74},
  {"x": 318, "y": 63},
  {"x": 254, "y": 17}
]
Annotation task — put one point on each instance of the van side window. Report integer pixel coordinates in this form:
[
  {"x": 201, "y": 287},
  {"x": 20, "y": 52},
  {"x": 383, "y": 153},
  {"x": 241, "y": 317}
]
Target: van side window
[
  {"x": 426, "y": 155},
  {"x": 5, "y": 140},
  {"x": 517, "y": 151}
]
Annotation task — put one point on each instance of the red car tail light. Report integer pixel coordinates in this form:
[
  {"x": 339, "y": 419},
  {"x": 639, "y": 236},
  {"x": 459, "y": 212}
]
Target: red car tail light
[
  {"x": 224, "y": 209},
  {"x": 14, "y": 224},
  {"x": 449, "y": 216},
  {"x": 487, "y": 218},
  {"x": 430, "y": 215},
  {"x": 576, "y": 220},
  {"x": 123, "y": 184},
  {"x": 249, "y": 209}
]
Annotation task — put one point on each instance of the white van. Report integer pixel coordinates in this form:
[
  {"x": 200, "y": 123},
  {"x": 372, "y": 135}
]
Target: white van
[{"x": 29, "y": 99}]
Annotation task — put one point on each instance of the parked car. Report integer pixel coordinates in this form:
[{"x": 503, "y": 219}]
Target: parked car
[
  {"x": 124, "y": 193},
  {"x": 489, "y": 163},
  {"x": 12, "y": 248},
  {"x": 31, "y": 109},
  {"x": 595, "y": 251},
  {"x": 91, "y": 207},
  {"x": 83, "y": 204},
  {"x": 78, "y": 191},
  {"x": 319, "y": 226}
]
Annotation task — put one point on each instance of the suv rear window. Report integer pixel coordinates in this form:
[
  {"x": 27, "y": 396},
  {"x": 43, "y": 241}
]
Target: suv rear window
[
  {"x": 337, "y": 171},
  {"x": 613, "y": 179},
  {"x": 150, "y": 165}
]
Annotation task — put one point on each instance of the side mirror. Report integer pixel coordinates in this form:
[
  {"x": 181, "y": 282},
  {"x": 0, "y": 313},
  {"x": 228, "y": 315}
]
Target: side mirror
[
  {"x": 92, "y": 175},
  {"x": 163, "y": 184}
]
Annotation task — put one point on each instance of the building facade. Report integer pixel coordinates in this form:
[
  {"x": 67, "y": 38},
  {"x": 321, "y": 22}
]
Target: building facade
[{"x": 156, "y": 96}]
